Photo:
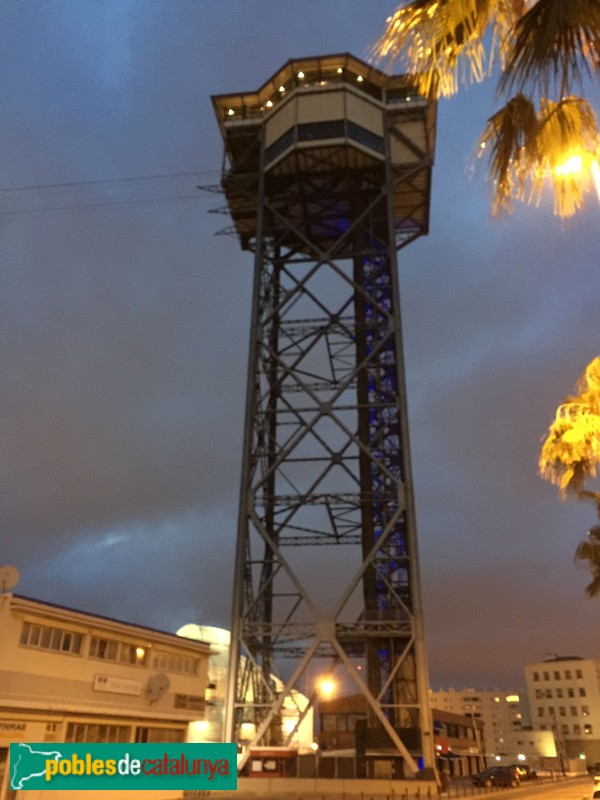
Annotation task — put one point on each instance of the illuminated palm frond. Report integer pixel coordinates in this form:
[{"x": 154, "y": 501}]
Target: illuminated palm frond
[
  {"x": 545, "y": 49},
  {"x": 528, "y": 148},
  {"x": 556, "y": 43},
  {"x": 440, "y": 42},
  {"x": 433, "y": 38},
  {"x": 568, "y": 139},
  {"x": 510, "y": 139},
  {"x": 570, "y": 455}
]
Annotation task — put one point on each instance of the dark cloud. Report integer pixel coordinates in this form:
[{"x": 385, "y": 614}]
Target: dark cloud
[{"x": 124, "y": 335}]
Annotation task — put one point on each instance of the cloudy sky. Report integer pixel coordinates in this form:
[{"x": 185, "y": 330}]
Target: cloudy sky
[{"x": 124, "y": 325}]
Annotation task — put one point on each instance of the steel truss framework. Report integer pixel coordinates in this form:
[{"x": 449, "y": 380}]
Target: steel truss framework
[{"x": 326, "y": 459}]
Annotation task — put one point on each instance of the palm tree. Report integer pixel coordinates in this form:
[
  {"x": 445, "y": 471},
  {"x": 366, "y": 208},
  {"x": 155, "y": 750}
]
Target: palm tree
[
  {"x": 544, "y": 49},
  {"x": 570, "y": 458}
]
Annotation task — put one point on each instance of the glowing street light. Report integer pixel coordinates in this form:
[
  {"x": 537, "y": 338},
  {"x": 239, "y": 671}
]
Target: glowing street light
[
  {"x": 579, "y": 164},
  {"x": 326, "y": 687}
]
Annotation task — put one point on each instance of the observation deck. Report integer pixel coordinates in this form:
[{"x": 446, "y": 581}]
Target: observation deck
[{"x": 315, "y": 122}]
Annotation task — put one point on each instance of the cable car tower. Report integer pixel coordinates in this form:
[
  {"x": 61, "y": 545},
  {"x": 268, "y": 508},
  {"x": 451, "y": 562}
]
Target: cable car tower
[{"x": 327, "y": 173}]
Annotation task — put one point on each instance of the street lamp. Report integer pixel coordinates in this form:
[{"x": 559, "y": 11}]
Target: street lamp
[{"x": 326, "y": 687}]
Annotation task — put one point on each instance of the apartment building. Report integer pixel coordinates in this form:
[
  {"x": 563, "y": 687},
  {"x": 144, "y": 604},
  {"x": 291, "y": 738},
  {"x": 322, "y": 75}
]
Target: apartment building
[
  {"x": 502, "y": 713},
  {"x": 564, "y": 697},
  {"x": 70, "y": 676}
]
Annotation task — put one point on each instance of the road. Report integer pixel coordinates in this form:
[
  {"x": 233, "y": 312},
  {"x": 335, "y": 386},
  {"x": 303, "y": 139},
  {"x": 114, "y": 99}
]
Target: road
[{"x": 568, "y": 789}]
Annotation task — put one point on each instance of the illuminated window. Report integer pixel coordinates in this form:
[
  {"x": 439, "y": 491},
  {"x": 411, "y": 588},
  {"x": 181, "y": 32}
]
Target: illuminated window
[
  {"x": 114, "y": 650},
  {"x": 587, "y": 729},
  {"x": 46, "y": 637}
]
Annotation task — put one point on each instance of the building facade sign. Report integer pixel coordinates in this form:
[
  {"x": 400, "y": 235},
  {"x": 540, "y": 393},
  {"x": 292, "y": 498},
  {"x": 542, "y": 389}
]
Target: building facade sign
[{"x": 108, "y": 683}]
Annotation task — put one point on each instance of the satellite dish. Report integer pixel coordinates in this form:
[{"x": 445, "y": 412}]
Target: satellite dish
[
  {"x": 157, "y": 685},
  {"x": 9, "y": 577}
]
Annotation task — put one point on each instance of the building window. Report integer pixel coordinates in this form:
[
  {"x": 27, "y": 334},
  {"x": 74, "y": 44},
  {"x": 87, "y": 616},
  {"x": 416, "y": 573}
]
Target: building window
[
  {"x": 581, "y": 692},
  {"x": 151, "y": 735},
  {"x": 568, "y": 674},
  {"x": 169, "y": 662},
  {"x": 556, "y": 675},
  {"x": 587, "y": 729},
  {"x": 91, "y": 732},
  {"x": 539, "y": 694},
  {"x": 565, "y": 728},
  {"x": 536, "y": 676},
  {"x": 571, "y": 692},
  {"x": 113, "y": 650},
  {"x": 540, "y": 712},
  {"x": 585, "y": 710},
  {"x": 194, "y": 702},
  {"x": 46, "y": 637},
  {"x": 562, "y": 711},
  {"x": 329, "y": 722},
  {"x": 52, "y": 730},
  {"x": 546, "y": 676},
  {"x": 577, "y": 729},
  {"x": 573, "y": 711},
  {"x": 578, "y": 674},
  {"x": 559, "y": 692},
  {"x": 352, "y": 720},
  {"x": 549, "y": 694},
  {"x": 551, "y": 710}
]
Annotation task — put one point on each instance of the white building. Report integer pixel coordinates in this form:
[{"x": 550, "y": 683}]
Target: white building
[
  {"x": 296, "y": 721},
  {"x": 69, "y": 676},
  {"x": 502, "y": 713},
  {"x": 564, "y": 697}
]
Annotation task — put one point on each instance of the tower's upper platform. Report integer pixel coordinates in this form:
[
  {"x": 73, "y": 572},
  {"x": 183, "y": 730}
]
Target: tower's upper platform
[{"x": 319, "y": 115}]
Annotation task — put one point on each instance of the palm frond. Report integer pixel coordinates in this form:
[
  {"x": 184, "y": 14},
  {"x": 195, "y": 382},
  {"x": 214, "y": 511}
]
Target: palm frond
[
  {"x": 568, "y": 139},
  {"x": 438, "y": 42},
  {"x": 528, "y": 149},
  {"x": 510, "y": 139},
  {"x": 589, "y": 553},
  {"x": 556, "y": 43},
  {"x": 570, "y": 455}
]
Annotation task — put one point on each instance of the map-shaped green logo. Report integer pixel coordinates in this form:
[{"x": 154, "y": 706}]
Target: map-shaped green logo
[{"x": 27, "y": 762}]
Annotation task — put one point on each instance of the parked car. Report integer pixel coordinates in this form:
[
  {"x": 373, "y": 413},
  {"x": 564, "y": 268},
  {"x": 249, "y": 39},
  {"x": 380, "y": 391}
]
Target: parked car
[
  {"x": 497, "y": 776},
  {"x": 524, "y": 772}
]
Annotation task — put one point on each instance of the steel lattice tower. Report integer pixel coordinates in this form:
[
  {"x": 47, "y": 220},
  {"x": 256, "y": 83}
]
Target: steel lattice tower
[{"x": 327, "y": 173}]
